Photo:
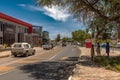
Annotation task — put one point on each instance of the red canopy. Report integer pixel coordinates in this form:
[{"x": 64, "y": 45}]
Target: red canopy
[{"x": 4, "y": 16}]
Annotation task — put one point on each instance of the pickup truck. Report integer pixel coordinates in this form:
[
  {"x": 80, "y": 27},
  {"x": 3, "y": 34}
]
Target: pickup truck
[{"x": 22, "y": 49}]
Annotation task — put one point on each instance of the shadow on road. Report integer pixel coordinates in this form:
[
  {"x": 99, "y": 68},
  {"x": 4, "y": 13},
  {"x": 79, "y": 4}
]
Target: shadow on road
[
  {"x": 86, "y": 61},
  {"x": 60, "y": 70}
]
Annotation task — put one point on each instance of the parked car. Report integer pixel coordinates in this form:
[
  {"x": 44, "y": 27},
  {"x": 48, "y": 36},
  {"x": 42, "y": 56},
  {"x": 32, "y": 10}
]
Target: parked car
[
  {"x": 47, "y": 46},
  {"x": 22, "y": 49}
]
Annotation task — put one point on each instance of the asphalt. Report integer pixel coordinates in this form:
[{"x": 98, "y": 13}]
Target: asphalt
[{"x": 24, "y": 73}]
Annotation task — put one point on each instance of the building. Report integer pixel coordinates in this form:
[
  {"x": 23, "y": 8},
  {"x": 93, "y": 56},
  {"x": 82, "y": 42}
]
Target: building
[
  {"x": 45, "y": 37},
  {"x": 38, "y": 30},
  {"x": 13, "y": 30}
]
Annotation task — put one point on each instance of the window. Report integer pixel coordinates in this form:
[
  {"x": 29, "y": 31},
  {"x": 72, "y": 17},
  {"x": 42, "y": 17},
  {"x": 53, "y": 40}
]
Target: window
[
  {"x": 26, "y": 30},
  {"x": 1, "y": 26},
  {"x": 26, "y": 46},
  {"x": 1, "y": 40},
  {"x": 18, "y": 45}
]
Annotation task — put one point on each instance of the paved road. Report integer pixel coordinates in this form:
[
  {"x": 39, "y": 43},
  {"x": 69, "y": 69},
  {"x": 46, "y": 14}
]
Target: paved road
[
  {"x": 36, "y": 71},
  {"x": 68, "y": 52}
]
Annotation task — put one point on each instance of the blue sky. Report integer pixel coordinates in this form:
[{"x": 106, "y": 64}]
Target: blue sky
[{"x": 54, "y": 19}]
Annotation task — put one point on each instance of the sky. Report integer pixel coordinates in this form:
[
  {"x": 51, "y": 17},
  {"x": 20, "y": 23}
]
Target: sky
[{"x": 55, "y": 20}]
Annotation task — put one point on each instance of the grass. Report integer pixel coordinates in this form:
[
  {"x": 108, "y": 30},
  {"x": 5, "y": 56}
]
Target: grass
[{"x": 112, "y": 63}]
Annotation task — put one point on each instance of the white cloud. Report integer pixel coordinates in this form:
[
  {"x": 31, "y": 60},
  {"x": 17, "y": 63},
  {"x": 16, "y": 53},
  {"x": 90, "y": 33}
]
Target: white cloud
[
  {"x": 55, "y": 12},
  {"x": 22, "y": 5}
]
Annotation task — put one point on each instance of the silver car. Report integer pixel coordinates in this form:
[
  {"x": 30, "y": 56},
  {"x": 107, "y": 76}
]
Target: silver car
[{"x": 47, "y": 46}]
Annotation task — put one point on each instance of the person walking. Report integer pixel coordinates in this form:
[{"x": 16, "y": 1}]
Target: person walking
[
  {"x": 107, "y": 48},
  {"x": 98, "y": 49}
]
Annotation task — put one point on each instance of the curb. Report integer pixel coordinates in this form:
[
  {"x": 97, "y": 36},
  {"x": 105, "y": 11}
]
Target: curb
[{"x": 70, "y": 78}]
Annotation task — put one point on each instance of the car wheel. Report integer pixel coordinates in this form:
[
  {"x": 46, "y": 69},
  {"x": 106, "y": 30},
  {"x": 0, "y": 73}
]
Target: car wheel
[
  {"x": 15, "y": 55},
  {"x": 33, "y": 53},
  {"x": 26, "y": 54}
]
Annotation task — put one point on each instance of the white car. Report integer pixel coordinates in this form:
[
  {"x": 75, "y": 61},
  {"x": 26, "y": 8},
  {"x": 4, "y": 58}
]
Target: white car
[
  {"x": 47, "y": 46},
  {"x": 22, "y": 49}
]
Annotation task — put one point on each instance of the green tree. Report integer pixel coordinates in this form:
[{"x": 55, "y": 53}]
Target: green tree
[
  {"x": 65, "y": 39},
  {"x": 80, "y": 35},
  {"x": 101, "y": 28}
]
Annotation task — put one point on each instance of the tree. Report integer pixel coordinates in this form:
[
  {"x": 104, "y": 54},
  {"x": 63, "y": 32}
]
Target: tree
[
  {"x": 108, "y": 10},
  {"x": 94, "y": 12},
  {"x": 101, "y": 28},
  {"x": 65, "y": 39},
  {"x": 80, "y": 35}
]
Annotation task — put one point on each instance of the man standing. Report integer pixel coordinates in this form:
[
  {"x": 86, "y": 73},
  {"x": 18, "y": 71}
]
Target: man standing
[{"x": 98, "y": 49}]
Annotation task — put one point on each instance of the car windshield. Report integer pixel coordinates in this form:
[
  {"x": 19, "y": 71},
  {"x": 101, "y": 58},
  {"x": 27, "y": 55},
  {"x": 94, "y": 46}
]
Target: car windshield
[{"x": 17, "y": 45}]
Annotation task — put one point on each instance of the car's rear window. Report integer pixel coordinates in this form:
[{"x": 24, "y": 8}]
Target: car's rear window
[{"x": 17, "y": 45}]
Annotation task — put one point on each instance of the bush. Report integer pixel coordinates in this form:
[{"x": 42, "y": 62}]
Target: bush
[{"x": 112, "y": 63}]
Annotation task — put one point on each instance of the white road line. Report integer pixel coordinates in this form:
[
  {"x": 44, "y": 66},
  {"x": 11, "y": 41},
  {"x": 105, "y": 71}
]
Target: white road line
[
  {"x": 70, "y": 78},
  {"x": 55, "y": 55},
  {"x": 52, "y": 57},
  {"x": 8, "y": 72}
]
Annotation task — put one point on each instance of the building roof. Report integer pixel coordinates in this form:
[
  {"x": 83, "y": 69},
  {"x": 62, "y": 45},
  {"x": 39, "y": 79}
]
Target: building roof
[{"x": 9, "y": 18}]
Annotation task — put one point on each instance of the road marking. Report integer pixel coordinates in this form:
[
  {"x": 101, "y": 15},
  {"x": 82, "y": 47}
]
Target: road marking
[
  {"x": 64, "y": 58},
  {"x": 14, "y": 69},
  {"x": 52, "y": 57},
  {"x": 8, "y": 72},
  {"x": 70, "y": 78},
  {"x": 55, "y": 55}
]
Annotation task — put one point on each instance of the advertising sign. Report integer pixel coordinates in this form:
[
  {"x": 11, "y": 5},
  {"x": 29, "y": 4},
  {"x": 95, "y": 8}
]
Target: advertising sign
[{"x": 88, "y": 43}]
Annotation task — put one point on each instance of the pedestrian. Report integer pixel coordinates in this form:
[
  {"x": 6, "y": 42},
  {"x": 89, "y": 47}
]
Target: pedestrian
[
  {"x": 98, "y": 49},
  {"x": 107, "y": 48},
  {"x": 92, "y": 53}
]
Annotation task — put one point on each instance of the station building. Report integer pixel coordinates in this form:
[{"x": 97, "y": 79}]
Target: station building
[{"x": 15, "y": 30}]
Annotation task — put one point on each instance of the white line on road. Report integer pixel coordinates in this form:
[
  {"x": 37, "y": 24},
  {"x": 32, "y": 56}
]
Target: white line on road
[
  {"x": 8, "y": 72},
  {"x": 70, "y": 78},
  {"x": 55, "y": 55}
]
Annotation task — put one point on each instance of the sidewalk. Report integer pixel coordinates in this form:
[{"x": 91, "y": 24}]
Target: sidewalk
[
  {"x": 86, "y": 70},
  {"x": 5, "y": 54},
  {"x": 8, "y": 53}
]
